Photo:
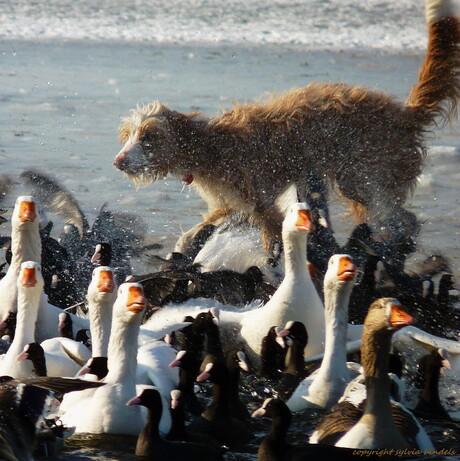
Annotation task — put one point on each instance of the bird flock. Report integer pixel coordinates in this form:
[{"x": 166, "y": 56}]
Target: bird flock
[{"x": 203, "y": 362}]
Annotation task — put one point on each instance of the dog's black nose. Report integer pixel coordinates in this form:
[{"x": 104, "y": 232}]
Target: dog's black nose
[{"x": 121, "y": 162}]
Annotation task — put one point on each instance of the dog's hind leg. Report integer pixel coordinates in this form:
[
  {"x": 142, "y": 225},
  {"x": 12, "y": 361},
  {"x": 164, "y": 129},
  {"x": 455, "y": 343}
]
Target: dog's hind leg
[
  {"x": 398, "y": 228},
  {"x": 381, "y": 206},
  {"x": 270, "y": 222},
  {"x": 394, "y": 223}
]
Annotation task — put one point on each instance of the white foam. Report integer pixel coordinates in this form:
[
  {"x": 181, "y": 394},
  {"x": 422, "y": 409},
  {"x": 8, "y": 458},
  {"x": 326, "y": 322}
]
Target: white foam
[{"x": 313, "y": 24}]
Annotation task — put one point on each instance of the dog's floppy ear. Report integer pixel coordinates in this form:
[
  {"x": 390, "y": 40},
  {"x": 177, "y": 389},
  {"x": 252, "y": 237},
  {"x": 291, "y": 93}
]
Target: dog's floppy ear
[{"x": 287, "y": 198}]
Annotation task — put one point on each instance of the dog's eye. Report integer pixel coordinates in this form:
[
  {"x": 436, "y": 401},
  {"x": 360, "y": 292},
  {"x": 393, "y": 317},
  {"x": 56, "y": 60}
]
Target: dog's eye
[{"x": 148, "y": 138}]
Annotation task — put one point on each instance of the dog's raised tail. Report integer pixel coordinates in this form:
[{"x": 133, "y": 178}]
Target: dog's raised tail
[{"x": 438, "y": 89}]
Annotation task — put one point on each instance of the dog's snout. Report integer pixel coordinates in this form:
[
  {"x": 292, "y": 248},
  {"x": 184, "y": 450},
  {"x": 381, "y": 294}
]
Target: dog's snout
[{"x": 120, "y": 160}]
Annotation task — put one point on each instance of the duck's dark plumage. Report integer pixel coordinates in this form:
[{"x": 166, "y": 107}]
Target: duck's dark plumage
[
  {"x": 272, "y": 355},
  {"x": 97, "y": 366},
  {"x": 431, "y": 366},
  {"x": 216, "y": 420},
  {"x": 275, "y": 447},
  {"x": 295, "y": 370},
  {"x": 22, "y": 408},
  {"x": 65, "y": 325},
  {"x": 188, "y": 366},
  {"x": 153, "y": 447},
  {"x": 236, "y": 361},
  {"x": 35, "y": 353}
]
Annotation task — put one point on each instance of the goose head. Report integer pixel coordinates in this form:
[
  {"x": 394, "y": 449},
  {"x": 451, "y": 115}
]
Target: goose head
[
  {"x": 213, "y": 370},
  {"x": 341, "y": 273},
  {"x": 102, "y": 284},
  {"x": 130, "y": 303},
  {"x": 25, "y": 212},
  {"x": 30, "y": 277},
  {"x": 273, "y": 408},
  {"x": 102, "y": 254},
  {"x": 293, "y": 331},
  {"x": 236, "y": 361},
  {"x": 176, "y": 399},
  {"x": 298, "y": 218},
  {"x": 387, "y": 315},
  {"x": 151, "y": 399}
]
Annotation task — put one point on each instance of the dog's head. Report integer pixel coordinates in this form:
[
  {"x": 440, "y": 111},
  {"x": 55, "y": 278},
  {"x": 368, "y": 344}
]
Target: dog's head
[{"x": 148, "y": 146}]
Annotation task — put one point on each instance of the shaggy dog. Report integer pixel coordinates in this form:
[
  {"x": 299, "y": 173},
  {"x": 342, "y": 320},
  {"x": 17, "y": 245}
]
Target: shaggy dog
[{"x": 367, "y": 145}]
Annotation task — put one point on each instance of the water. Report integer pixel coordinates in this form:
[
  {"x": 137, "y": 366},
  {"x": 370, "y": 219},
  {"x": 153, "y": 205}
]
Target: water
[
  {"x": 70, "y": 70},
  {"x": 316, "y": 24}
]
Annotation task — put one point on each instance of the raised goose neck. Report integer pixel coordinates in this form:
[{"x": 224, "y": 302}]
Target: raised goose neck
[
  {"x": 430, "y": 393},
  {"x": 100, "y": 318},
  {"x": 26, "y": 317},
  {"x": 122, "y": 360},
  {"x": 295, "y": 362},
  {"x": 280, "y": 425},
  {"x": 153, "y": 422},
  {"x": 295, "y": 255},
  {"x": 375, "y": 350},
  {"x": 220, "y": 399},
  {"x": 220, "y": 395},
  {"x": 26, "y": 245},
  {"x": 336, "y": 322}
]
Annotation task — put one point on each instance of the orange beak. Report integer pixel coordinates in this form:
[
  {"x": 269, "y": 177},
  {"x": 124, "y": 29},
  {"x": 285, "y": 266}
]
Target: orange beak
[
  {"x": 105, "y": 283},
  {"x": 304, "y": 221},
  {"x": 27, "y": 212},
  {"x": 28, "y": 277},
  {"x": 136, "y": 300},
  {"x": 346, "y": 270},
  {"x": 399, "y": 318}
]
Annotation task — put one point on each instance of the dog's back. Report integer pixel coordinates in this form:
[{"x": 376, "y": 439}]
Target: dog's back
[{"x": 364, "y": 143}]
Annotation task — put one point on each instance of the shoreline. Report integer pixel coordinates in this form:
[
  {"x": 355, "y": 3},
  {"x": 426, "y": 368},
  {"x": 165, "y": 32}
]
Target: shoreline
[{"x": 285, "y": 47}]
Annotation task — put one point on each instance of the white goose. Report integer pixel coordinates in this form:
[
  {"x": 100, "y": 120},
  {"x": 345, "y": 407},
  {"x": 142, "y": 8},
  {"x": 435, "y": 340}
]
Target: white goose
[
  {"x": 29, "y": 287},
  {"x": 105, "y": 410},
  {"x": 101, "y": 296},
  {"x": 48, "y": 318},
  {"x": 25, "y": 246},
  {"x": 326, "y": 385},
  {"x": 153, "y": 361},
  {"x": 61, "y": 355},
  {"x": 102, "y": 293},
  {"x": 376, "y": 427},
  {"x": 64, "y": 356},
  {"x": 296, "y": 298}
]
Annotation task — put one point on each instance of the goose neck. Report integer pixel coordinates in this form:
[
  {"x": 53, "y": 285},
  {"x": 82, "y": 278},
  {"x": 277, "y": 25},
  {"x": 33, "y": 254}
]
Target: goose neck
[
  {"x": 295, "y": 252},
  {"x": 430, "y": 392},
  {"x": 178, "y": 430},
  {"x": 122, "y": 352},
  {"x": 26, "y": 318},
  {"x": 336, "y": 324},
  {"x": 280, "y": 427},
  {"x": 295, "y": 362},
  {"x": 220, "y": 399},
  {"x": 25, "y": 245},
  {"x": 100, "y": 317},
  {"x": 153, "y": 423},
  {"x": 375, "y": 351}
]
